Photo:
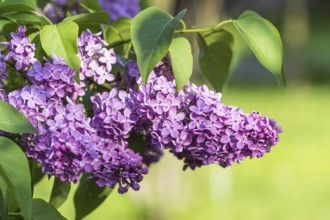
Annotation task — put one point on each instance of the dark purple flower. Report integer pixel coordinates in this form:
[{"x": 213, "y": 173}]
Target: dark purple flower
[
  {"x": 3, "y": 71},
  {"x": 120, "y": 8}
]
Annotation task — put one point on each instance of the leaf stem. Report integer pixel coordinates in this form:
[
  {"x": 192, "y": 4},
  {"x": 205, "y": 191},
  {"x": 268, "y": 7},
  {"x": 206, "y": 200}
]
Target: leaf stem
[
  {"x": 194, "y": 30},
  {"x": 184, "y": 30},
  {"x": 184, "y": 27},
  {"x": 221, "y": 24},
  {"x": 15, "y": 214}
]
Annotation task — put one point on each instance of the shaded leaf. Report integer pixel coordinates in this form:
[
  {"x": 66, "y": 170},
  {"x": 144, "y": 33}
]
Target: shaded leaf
[
  {"x": 215, "y": 56},
  {"x": 152, "y": 33},
  {"x": 6, "y": 26},
  {"x": 28, "y": 17},
  {"x": 36, "y": 173},
  {"x": 15, "y": 168},
  {"x": 263, "y": 39},
  {"x": 117, "y": 35},
  {"x": 17, "y": 5},
  {"x": 42, "y": 210},
  {"x": 13, "y": 121},
  {"x": 92, "y": 5},
  {"x": 59, "y": 193},
  {"x": 137, "y": 142},
  {"x": 61, "y": 39},
  {"x": 118, "y": 31},
  {"x": 7, "y": 197},
  {"x": 88, "y": 197},
  {"x": 90, "y": 21},
  {"x": 181, "y": 60}
]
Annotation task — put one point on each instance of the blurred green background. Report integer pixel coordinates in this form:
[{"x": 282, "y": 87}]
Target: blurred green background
[{"x": 290, "y": 183}]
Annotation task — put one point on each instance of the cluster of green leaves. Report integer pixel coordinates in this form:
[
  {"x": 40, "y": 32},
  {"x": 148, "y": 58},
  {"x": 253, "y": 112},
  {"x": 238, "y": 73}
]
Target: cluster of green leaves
[{"x": 152, "y": 34}]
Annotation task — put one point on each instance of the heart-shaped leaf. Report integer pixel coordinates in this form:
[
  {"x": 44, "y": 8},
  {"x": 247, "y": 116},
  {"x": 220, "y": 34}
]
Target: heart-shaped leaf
[{"x": 152, "y": 33}]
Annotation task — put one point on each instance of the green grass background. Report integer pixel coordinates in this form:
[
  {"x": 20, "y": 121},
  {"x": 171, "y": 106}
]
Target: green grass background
[{"x": 292, "y": 182}]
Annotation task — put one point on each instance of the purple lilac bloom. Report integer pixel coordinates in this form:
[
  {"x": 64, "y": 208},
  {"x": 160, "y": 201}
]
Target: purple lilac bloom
[
  {"x": 120, "y": 8},
  {"x": 96, "y": 60},
  {"x": 112, "y": 162},
  {"x": 3, "y": 71},
  {"x": 56, "y": 10},
  {"x": 114, "y": 114},
  {"x": 196, "y": 126},
  {"x": 20, "y": 50},
  {"x": 57, "y": 79}
]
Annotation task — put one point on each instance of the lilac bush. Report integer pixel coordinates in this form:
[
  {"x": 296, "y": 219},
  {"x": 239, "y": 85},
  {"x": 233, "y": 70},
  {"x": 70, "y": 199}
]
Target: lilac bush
[
  {"x": 98, "y": 102},
  {"x": 193, "y": 123}
]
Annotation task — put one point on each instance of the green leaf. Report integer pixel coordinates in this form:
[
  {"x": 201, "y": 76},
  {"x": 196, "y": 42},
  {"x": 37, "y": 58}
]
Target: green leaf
[
  {"x": 117, "y": 35},
  {"x": 118, "y": 31},
  {"x": 88, "y": 197},
  {"x": 92, "y": 5},
  {"x": 6, "y": 26},
  {"x": 90, "y": 21},
  {"x": 8, "y": 195},
  {"x": 28, "y": 17},
  {"x": 181, "y": 60},
  {"x": 15, "y": 167},
  {"x": 61, "y": 39},
  {"x": 137, "y": 142},
  {"x": 42, "y": 210},
  {"x": 263, "y": 39},
  {"x": 36, "y": 172},
  {"x": 215, "y": 56},
  {"x": 14, "y": 80},
  {"x": 13, "y": 121},
  {"x": 152, "y": 33},
  {"x": 17, "y": 5},
  {"x": 60, "y": 192}
]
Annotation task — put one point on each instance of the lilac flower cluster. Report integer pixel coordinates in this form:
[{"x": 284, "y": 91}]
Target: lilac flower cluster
[
  {"x": 120, "y": 8},
  {"x": 56, "y": 78},
  {"x": 96, "y": 60},
  {"x": 111, "y": 162},
  {"x": 114, "y": 114},
  {"x": 60, "y": 122},
  {"x": 197, "y": 127},
  {"x": 193, "y": 123},
  {"x": 69, "y": 143},
  {"x": 20, "y": 50}
]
